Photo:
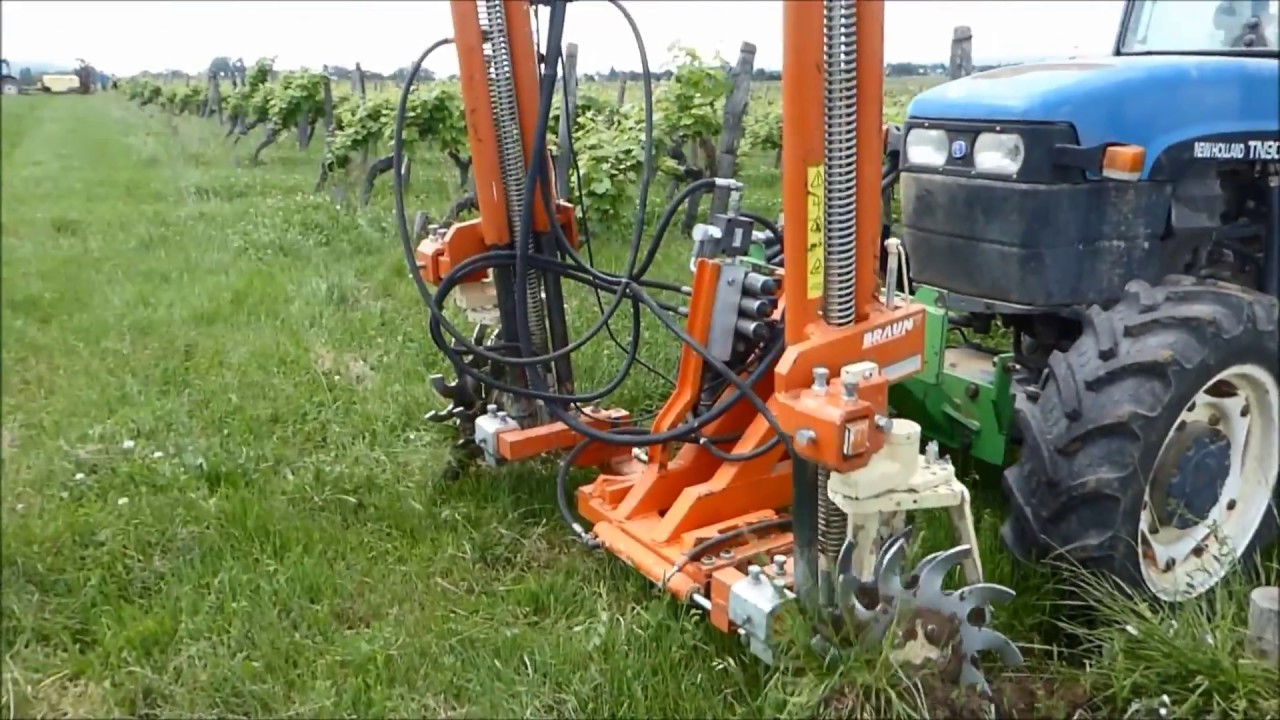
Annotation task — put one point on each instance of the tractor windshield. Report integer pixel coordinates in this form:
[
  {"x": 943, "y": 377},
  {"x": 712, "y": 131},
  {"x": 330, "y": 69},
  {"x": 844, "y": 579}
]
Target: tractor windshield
[{"x": 1216, "y": 27}]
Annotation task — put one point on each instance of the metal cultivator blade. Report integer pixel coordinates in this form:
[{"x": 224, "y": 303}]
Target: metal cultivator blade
[
  {"x": 467, "y": 397},
  {"x": 931, "y": 626}
]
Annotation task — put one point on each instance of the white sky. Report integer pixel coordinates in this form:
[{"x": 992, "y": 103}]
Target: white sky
[{"x": 127, "y": 37}]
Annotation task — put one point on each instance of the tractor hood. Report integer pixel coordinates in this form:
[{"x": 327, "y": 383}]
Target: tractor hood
[{"x": 1147, "y": 100}]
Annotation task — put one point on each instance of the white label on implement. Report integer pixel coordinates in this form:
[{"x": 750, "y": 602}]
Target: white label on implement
[
  {"x": 871, "y": 338},
  {"x": 902, "y": 368}
]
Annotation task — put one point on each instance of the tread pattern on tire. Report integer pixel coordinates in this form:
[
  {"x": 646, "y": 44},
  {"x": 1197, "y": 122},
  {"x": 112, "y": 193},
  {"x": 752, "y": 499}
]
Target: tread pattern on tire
[{"x": 1101, "y": 415}]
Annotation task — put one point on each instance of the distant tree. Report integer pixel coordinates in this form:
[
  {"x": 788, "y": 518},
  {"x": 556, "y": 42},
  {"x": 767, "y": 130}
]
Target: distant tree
[{"x": 401, "y": 74}]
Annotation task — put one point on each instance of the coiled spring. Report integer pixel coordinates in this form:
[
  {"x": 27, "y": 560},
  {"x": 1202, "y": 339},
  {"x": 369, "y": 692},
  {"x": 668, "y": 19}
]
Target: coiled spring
[
  {"x": 840, "y": 136},
  {"x": 506, "y": 119}
]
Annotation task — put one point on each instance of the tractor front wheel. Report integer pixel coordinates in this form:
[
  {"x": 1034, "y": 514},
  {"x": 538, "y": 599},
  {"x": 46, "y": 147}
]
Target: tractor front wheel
[{"x": 1150, "y": 447}]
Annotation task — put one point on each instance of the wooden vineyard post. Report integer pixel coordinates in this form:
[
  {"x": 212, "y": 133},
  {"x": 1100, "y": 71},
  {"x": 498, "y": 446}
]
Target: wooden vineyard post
[
  {"x": 304, "y": 129},
  {"x": 735, "y": 110},
  {"x": 568, "y": 113},
  {"x": 357, "y": 83},
  {"x": 215, "y": 96},
  {"x": 357, "y": 86},
  {"x": 327, "y": 92},
  {"x": 622, "y": 90},
  {"x": 961, "y": 53},
  {"x": 1263, "y": 639}
]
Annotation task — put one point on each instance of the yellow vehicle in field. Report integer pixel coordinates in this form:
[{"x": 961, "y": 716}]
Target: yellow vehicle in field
[
  {"x": 79, "y": 81},
  {"x": 60, "y": 83}
]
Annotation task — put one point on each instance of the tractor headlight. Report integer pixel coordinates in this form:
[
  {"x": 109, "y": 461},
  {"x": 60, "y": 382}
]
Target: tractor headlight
[
  {"x": 1000, "y": 153},
  {"x": 927, "y": 147}
]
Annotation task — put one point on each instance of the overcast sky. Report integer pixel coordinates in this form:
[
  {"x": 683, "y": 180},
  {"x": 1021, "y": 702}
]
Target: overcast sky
[{"x": 128, "y": 37}]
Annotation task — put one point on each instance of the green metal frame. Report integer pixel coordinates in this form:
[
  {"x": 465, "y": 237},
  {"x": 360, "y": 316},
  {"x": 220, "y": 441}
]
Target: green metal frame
[{"x": 962, "y": 397}]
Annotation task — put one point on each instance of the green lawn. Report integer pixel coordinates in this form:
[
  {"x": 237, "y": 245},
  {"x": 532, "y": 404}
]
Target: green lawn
[{"x": 219, "y": 496}]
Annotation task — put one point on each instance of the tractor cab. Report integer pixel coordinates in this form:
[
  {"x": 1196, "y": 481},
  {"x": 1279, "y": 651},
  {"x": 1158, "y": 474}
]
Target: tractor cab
[{"x": 1099, "y": 239}]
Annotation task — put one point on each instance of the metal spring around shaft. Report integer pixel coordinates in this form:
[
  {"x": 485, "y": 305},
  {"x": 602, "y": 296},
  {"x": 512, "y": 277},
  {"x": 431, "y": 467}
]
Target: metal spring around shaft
[
  {"x": 833, "y": 523},
  {"x": 506, "y": 121},
  {"x": 840, "y": 136}
]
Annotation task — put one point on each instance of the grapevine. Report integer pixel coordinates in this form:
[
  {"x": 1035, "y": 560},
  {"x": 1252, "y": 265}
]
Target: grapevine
[
  {"x": 764, "y": 128},
  {"x": 607, "y": 139}
]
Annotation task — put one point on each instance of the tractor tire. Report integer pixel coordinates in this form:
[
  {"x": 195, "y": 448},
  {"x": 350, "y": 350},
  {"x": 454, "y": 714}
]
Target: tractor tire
[{"x": 1094, "y": 430}]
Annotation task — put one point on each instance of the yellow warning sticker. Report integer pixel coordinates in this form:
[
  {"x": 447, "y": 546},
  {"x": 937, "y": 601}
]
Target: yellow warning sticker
[{"x": 815, "y": 240}]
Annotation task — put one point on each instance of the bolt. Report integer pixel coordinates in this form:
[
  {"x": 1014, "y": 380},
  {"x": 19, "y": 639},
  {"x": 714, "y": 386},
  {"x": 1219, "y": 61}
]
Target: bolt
[
  {"x": 754, "y": 573},
  {"x": 971, "y": 391},
  {"x": 726, "y": 554},
  {"x": 1168, "y": 564},
  {"x": 780, "y": 563},
  {"x": 868, "y": 374},
  {"x": 708, "y": 560},
  {"x": 780, "y": 586},
  {"x": 1244, "y": 411},
  {"x": 1231, "y": 504},
  {"x": 884, "y": 424},
  {"x": 804, "y": 436},
  {"x": 820, "y": 378},
  {"x": 850, "y": 389},
  {"x": 931, "y": 453},
  {"x": 492, "y": 410},
  {"x": 503, "y": 416},
  {"x": 1215, "y": 420}
]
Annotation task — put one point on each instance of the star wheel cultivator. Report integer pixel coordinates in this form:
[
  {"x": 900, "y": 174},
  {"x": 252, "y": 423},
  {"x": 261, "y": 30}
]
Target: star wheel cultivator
[{"x": 776, "y": 472}]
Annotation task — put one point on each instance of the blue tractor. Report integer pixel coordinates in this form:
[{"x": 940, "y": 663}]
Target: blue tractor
[{"x": 1116, "y": 223}]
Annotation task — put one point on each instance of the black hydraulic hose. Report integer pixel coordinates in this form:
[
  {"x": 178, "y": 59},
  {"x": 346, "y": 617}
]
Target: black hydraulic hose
[
  {"x": 742, "y": 387},
  {"x": 706, "y": 444},
  {"x": 669, "y": 216},
  {"x": 522, "y": 256},
  {"x": 522, "y": 259},
  {"x": 769, "y": 227},
  {"x": 704, "y": 547},
  {"x": 582, "y": 204},
  {"x": 437, "y": 317}
]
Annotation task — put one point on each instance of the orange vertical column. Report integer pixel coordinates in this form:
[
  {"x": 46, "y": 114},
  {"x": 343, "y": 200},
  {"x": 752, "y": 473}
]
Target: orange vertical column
[
  {"x": 802, "y": 157},
  {"x": 870, "y": 69},
  {"x": 473, "y": 82}
]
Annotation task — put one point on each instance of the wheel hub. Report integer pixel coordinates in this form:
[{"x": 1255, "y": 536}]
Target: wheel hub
[
  {"x": 1187, "y": 488},
  {"x": 1211, "y": 485}
]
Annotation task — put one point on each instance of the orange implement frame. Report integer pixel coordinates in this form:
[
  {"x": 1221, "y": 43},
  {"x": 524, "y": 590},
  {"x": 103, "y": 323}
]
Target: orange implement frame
[
  {"x": 652, "y": 513},
  {"x": 653, "y": 516}
]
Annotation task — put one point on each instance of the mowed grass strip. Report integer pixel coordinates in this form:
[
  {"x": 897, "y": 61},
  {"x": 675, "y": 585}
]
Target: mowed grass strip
[
  {"x": 219, "y": 497},
  {"x": 277, "y": 541}
]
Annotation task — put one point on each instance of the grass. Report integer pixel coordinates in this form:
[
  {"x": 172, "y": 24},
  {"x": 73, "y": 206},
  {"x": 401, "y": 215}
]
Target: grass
[{"x": 219, "y": 497}]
